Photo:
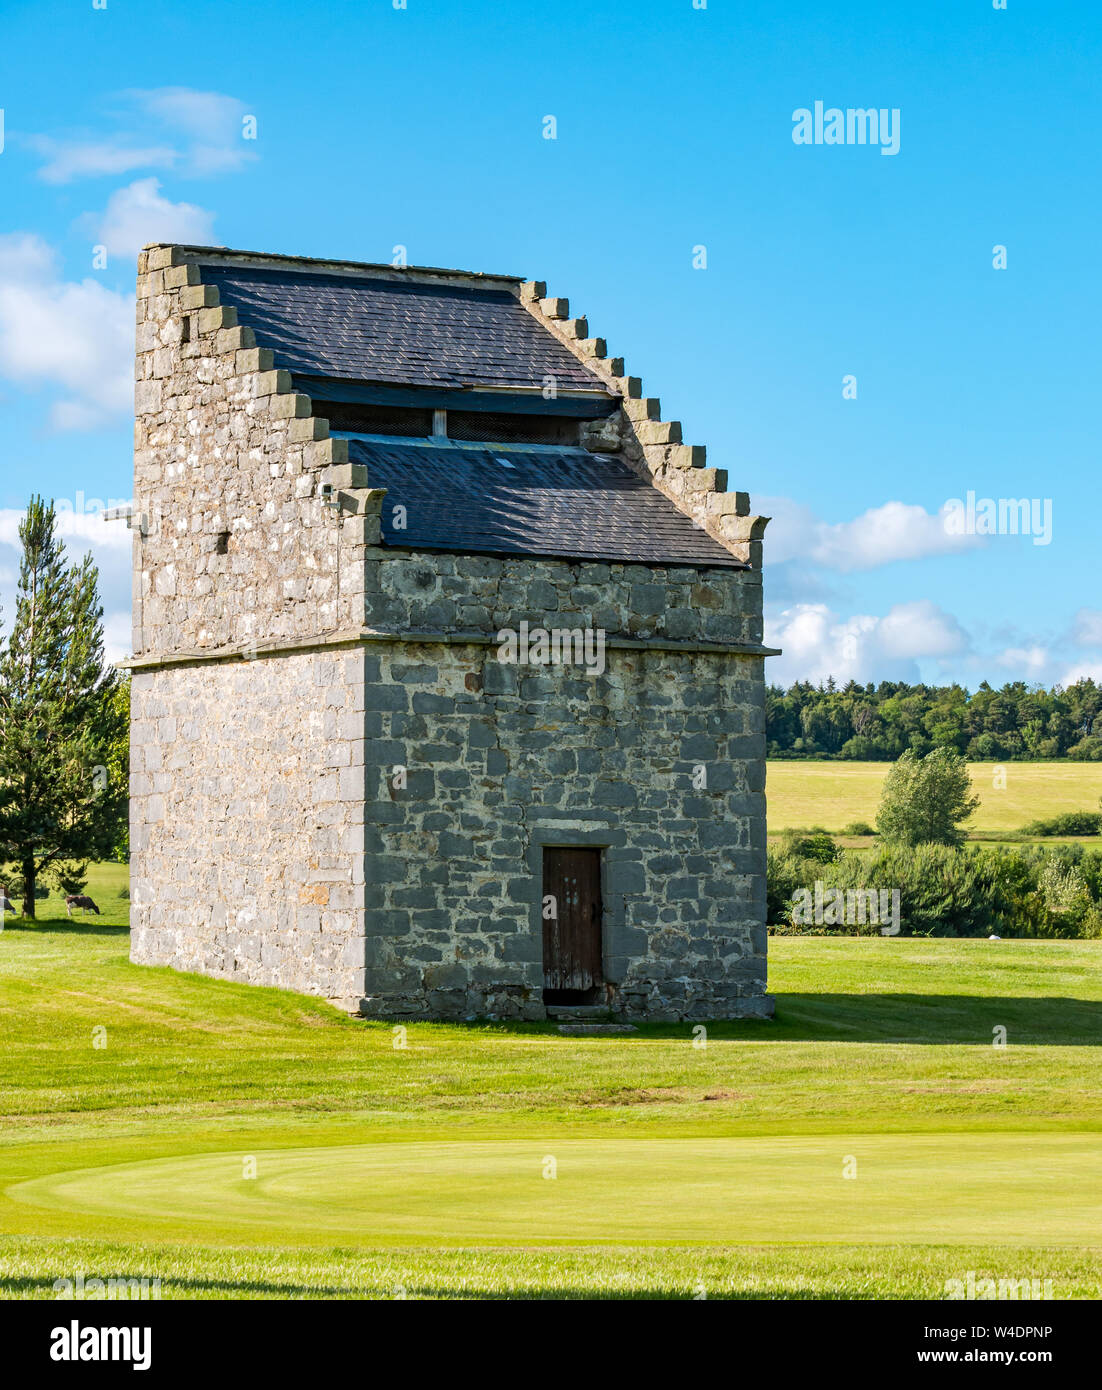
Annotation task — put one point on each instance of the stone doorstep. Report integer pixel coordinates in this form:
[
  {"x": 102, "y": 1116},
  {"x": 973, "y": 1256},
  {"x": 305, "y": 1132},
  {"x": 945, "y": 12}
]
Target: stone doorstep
[
  {"x": 586, "y": 1029},
  {"x": 578, "y": 1013}
]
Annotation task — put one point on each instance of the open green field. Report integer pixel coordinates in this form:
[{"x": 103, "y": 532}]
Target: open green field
[
  {"x": 833, "y": 794},
  {"x": 136, "y": 1104}
]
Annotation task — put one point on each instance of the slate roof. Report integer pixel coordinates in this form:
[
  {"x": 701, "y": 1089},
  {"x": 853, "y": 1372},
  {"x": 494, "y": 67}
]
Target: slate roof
[
  {"x": 405, "y": 332},
  {"x": 566, "y": 503}
]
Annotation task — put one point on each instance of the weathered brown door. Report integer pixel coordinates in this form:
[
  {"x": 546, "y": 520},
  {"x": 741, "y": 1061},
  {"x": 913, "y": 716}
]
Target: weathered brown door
[{"x": 571, "y": 921}]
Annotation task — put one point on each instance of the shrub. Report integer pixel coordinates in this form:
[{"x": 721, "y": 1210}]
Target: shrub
[
  {"x": 858, "y": 827},
  {"x": 816, "y": 844},
  {"x": 944, "y": 890},
  {"x": 1070, "y": 823},
  {"x": 1090, "y": 927},
  {"x": 1090, "y": 866},
  {"x": 850, "y": 871},
  {"x": 783, "y": 875},
  {"x": 1032, "y": 890},
  {"x": 1066, "y": 898}
]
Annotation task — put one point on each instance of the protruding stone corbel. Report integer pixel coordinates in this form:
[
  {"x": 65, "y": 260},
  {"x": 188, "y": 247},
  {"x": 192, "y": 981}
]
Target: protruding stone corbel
[
  {"x": 361, "y": 509},
  {"x": 745, "y": 534}
]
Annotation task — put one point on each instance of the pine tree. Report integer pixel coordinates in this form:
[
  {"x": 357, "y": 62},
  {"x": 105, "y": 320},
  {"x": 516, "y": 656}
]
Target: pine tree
[{"x": 59, "y": 806}]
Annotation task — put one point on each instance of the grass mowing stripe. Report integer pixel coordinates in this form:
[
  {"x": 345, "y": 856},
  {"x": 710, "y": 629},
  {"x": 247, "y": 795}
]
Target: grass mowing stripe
[{"x": 1012, "y": 1188}]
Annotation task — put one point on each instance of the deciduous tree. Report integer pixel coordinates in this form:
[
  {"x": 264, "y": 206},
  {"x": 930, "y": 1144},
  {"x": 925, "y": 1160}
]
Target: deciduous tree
[{"x": 925, "y": 799}]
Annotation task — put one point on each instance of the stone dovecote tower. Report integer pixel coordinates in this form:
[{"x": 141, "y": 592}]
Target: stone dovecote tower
[{"x": 448, "y": 694}]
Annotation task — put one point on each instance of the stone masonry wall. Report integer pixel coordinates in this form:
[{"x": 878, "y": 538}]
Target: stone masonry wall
[
  {"x": 247, "y": 821},
  {"x": 485, "y": 593},
  {"x": 500, "y": 760},
  {"x": 247, "y": 777},
  {"x": 234, "y": 543}
]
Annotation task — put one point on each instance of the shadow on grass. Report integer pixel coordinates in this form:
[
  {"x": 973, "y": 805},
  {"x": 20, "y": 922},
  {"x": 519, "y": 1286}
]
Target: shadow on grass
[
  {"x": 32, "y": 1285},
  {"x": 177, "y": 1287},
  {"x": 76, "y": 926},
  {"x": 933, "y": 1019},
  {"x": 938, "y": 1019}
]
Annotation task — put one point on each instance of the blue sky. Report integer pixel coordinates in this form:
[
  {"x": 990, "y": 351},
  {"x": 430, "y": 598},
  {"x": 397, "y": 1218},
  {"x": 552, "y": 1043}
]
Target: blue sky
[{"x": 423, "y": 127}]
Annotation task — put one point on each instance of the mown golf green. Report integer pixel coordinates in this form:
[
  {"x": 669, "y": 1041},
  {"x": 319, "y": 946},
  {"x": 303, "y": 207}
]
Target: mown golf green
[
  {"x": 919, "y": 1109},
  {"x": 898, "y": 1188},
  {"x": 835, "y": 794}
]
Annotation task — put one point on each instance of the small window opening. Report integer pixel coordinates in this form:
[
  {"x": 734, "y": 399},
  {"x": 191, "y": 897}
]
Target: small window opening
[
  {"x": 379, "y": 419},
  {"x": 465, "y": 426},
  {"x": 476, "y": 426},
  {"x": 222, "y": 543}
]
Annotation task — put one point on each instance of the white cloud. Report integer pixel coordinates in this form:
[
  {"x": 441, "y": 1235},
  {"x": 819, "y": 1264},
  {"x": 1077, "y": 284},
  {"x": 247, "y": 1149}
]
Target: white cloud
[
  {"x": 201, "y": 133},
  {"x": 137, "y": 214},
  {"x": 1029, "y": 663},
  {"x": 211, "y": 120},
  {"x": 76, "y": 415},
  {"x": 817, "y": 643},
  {"x": 117, "y": 636},
  {"x": 910, "y": 642},
  {"x": 75, "y": 334},
  {"x": 1087, "y": 627},
  {"x": 25, "y": 256},
  {"x": 920, "y": 628},
  {"x": 208, "y": 116},
  {"x": 1083, "y": 670},
  {"x": 67, "y": 160},
  {"x": 880, "y": 536},
  {"x": 81, "y": 526}
]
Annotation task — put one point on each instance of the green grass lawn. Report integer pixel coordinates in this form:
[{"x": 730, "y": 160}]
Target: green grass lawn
[
  {"x": 834, "y": 794},
  {"x": 132, "y": 1100}
]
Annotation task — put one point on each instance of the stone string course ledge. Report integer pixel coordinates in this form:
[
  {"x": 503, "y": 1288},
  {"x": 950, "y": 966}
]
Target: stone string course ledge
[{"x": 285, "y": 663}]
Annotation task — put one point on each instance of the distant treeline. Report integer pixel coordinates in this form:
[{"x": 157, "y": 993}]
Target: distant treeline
[{"x": 879, "y": 722}]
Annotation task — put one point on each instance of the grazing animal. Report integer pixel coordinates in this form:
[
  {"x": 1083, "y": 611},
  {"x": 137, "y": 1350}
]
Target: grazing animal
[{"x": 81, "y": 900}]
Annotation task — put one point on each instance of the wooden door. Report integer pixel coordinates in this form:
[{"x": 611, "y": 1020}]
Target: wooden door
[{"x": 571, "y": 920}]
